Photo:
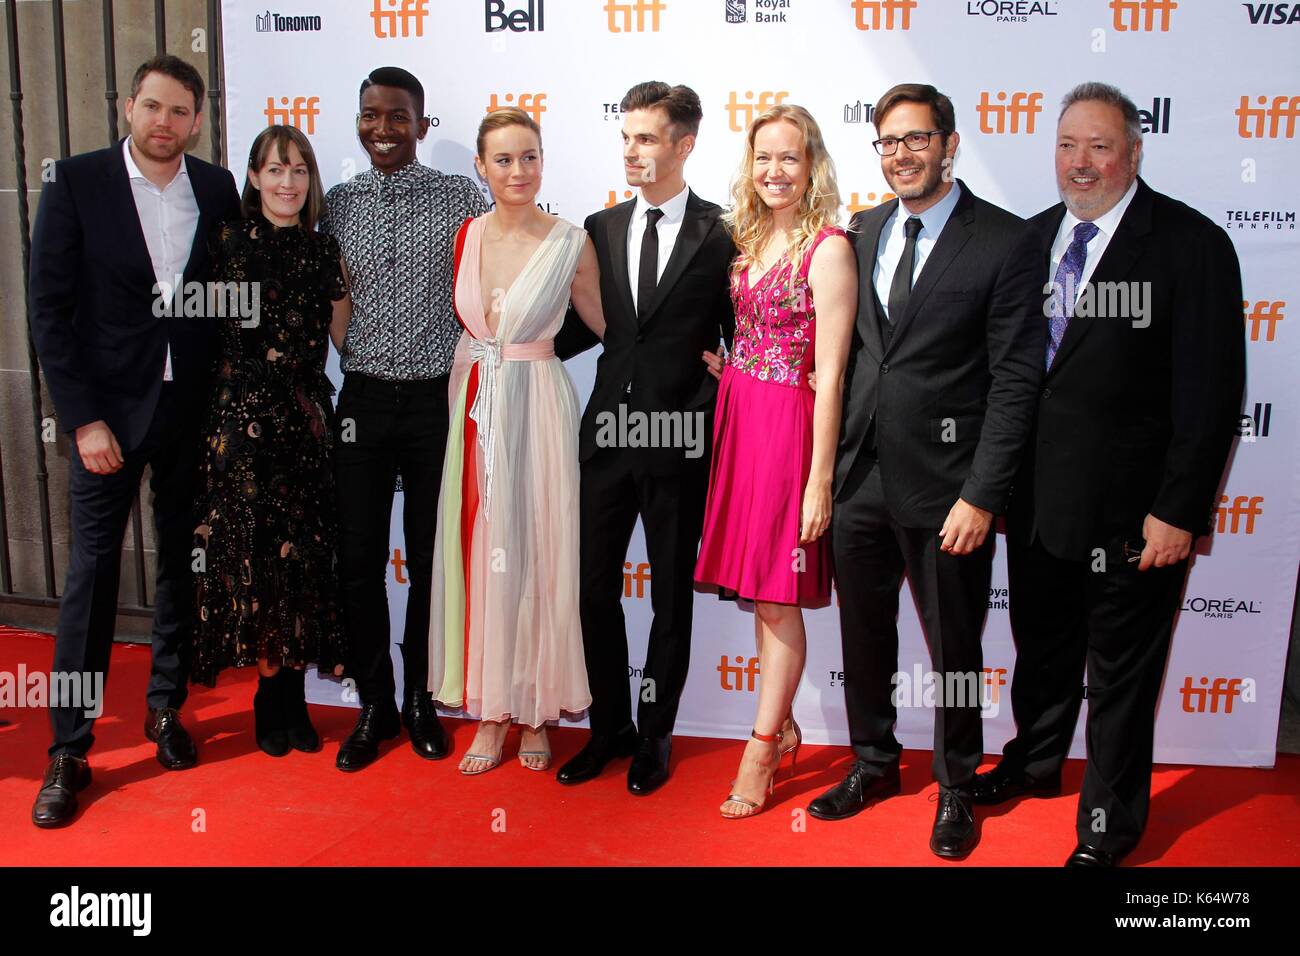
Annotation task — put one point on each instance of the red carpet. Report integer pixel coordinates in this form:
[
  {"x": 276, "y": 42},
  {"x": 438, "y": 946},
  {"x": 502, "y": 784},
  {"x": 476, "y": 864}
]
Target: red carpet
[{"x": 402, "y": 810}]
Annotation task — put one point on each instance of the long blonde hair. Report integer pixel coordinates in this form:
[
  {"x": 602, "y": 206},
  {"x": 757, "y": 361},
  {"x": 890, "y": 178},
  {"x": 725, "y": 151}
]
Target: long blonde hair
[{"x": 750, "y": 220}]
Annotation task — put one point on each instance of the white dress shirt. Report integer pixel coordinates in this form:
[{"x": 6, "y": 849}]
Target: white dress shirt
[
  {"x": 893, "y": 237},
  {"x": 168, "y": 218},
  {"x": 669, "y": 225},
  {"x": 1106, "y": 226}
]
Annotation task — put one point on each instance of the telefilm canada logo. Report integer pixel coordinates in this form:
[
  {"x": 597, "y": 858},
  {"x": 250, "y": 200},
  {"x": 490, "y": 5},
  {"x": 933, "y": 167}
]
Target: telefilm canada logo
[
  {"x": 277, "y": 23},
  {"x": 1261, "y": 220}
]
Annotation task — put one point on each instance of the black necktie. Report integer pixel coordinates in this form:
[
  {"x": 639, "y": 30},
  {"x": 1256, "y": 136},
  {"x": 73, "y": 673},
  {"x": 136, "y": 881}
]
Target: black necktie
[
  {"x": 901, "y": 285},
  {"x": 648, "y": 276}
]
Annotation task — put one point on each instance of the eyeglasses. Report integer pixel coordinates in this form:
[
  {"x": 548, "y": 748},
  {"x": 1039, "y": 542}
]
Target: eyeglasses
[{"x": 915, "y": 142}]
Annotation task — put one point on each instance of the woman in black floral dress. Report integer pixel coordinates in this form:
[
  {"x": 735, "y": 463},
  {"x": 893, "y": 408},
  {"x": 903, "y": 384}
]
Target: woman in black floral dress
[{"x": 267, "y": 589}]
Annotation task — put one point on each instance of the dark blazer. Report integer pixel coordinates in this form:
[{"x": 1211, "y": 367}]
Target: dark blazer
[
  {"x": 951, "y": 400},
  {"x": 91, "y": 303},
  {"x": 1138, "y": 420},
  {"x": 653, "y": 363}
]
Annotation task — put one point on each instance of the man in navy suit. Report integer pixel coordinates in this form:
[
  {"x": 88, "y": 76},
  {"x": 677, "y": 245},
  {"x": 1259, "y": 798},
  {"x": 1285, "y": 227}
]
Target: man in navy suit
[{"x": 114, "y": 230}]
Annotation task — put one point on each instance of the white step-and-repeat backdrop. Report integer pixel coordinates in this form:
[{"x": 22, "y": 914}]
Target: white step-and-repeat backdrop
[{"x": 1219, "y": 86}]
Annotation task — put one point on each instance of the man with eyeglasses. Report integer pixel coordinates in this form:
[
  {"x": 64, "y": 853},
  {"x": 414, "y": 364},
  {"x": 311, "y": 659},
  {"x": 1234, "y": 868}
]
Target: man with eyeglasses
[{"x": 938, "y": 400}]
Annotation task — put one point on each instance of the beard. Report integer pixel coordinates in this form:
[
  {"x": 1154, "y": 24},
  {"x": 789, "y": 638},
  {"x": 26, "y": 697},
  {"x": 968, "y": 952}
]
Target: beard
[
  {"x": 158, "y": 152},
  {"x": 931, "y": 177}
]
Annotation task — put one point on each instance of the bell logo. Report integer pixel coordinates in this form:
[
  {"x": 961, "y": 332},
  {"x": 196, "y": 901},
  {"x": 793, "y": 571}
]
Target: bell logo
[
  {"x": 1250, "y": 119},
  {"x": 855, "y": 205},
  {"x": 301, "y": 113},
  {"x": 736, "y": 110},
  {"x": 742, "y": 668},
  {"x": 884, "y": 14},
  {"x": 635, "y": 580},
  {"x": 1265, "y": 315},
  {"x": 1230, "y": 515},
  {"x": 1130, "y": 13},
  {"x": 534, "y": 104},
  {"x": 994, "y": 116},
  {"x": 394, "y": 18},
  {"x": 1222, "y": 691},
  {"x": 620, "y": 15}
]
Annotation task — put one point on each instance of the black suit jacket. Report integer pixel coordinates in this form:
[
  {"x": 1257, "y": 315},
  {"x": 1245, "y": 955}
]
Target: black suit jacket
[
  {"x": 951, "y": 399},
  {"x": 653, "y": 363},
  {"x": 91, "y": 303},
  {"x": 1137, "y": 415}
]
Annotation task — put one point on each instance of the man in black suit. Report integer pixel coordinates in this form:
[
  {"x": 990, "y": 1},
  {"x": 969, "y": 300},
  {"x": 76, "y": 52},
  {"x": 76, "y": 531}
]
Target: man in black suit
[
  {"x": 115, "y": 229},
  {"x": 938, "y": 400},
  {"x": 664, "y": 260},
  {"x": 1145, "y": 366}
]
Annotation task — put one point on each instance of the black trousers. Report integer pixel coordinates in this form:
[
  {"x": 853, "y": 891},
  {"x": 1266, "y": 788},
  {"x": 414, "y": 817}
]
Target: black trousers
[
  {"x": 871, "y": 551},
  {"x": 1117, "y": 622},
  {"x": 613, "y": 492},
  {"x": 99, "y": 508},
  {"x": 387, "y": 428}
]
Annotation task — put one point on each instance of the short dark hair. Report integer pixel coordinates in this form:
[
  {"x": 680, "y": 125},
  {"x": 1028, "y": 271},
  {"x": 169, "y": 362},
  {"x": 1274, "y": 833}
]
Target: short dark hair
[
  {"x": 278, "y": 138},
  {"x": 681, "y": 103},
  {"x": 944, "y": 117},
  {"x": 395, "y": 76},
  {"x": 177, "y": 69}
]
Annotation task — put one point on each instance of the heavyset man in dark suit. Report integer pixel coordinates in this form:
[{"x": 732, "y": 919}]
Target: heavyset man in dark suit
[
  {"x": 1134, "y": 425},
  {"x": 664, "y": 281},
  {"x": 131, "y": 386},
  {"x": 939, "y": 395}
]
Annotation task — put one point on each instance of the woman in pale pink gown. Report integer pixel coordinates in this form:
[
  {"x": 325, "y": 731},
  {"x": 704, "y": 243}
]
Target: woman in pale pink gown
[{"x": 505, "y": 642}]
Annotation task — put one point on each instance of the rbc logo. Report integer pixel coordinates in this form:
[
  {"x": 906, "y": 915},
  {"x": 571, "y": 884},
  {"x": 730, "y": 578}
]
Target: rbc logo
[{"x": 999, "y": 118}]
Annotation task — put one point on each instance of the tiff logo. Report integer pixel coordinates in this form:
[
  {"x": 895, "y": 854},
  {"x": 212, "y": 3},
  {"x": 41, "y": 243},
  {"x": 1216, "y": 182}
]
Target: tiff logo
[
  {"x": 742, "y": 668},
  {"x": 534, "y": 104},
  {"x": 994, "y": 116},
  {"x": 301, "y": 114},
  {"x": 1230, "y": 515},
  {"x": 635, "y": 580},
  {"x": 736, "y": 109},
  {"x": 893, "y": 14},
  {"x": 855, "y": 204},
  {"x": 1267, "y": 314},
  {"x": 1128, "y": 14},
  {"x": 390, "y": 22},
  {"x": 620, "y": 15},
  {"x": 1223, "y": 690},
  {"x": 1250, "y": 119}
]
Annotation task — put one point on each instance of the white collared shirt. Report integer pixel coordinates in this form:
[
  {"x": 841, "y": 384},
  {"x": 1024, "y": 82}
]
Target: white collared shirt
[
  {"x": 670, "y": 224},
  {"x": 1106, "y": 226},
  {"x": 168, "y": 219},
  {"x": 893, "y": 237}
]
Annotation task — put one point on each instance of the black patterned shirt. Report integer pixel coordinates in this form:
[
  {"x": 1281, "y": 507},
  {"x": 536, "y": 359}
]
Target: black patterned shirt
[{"x": 397, "y": 233}]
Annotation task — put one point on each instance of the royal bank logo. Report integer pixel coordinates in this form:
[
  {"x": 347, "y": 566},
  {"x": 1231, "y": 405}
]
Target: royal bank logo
[
  {"x": 534, "y": 104},
  {"x": 741, "y": 114},
  {"x": 633, "y": 16},
  {"x": 1272, "y": 14},
  {"x": 399, "y": 18},
  {"x": 275, "y": 23},
  {"x": 765, "y": 11},
  {"x": 301, "y": 112},
  {"x": 1008, "y": 113},
  {"x": 1156, "y": 119},
  {"x": 1267, "y": 119},
  {"x": 883, "y": 14},
  {"x": 1221, "y": 608},
  {"x": 1256, "y": 425},
  {"x": 1011, "y": 11},
  {"x": 524, "y": 19},
  {"x": 859, "y": 112},
  {"x": 1142, "y": 15},
  {"x": 999, "y": 599},
  {"x": 1262, "y": 319},
  {"x": 735, "y": 11}
]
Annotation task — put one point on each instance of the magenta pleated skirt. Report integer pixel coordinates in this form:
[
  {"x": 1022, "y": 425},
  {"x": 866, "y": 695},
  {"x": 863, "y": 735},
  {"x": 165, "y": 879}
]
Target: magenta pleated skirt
[{"x": 762, "y": 452}]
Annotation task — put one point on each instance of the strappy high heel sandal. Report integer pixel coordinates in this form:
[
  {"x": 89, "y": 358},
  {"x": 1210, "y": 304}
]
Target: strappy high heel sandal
[
  {"x": 755, "y": 808},
  {"x": 544, "y": 754},
  {"x": 791, "y": 726}
]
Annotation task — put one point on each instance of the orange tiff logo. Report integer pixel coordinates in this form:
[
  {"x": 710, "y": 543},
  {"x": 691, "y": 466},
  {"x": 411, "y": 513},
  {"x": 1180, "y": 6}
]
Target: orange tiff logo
[
  {"x": 740, "y": 115},
  {"x": 1223, "y": 690},
  {"x": 613, "y": 199},
  {"x": 747, "y": 669},
  {"x": 1130, "y": 13},
  {"x": 1015, "y": 117},
  {"x": 534, "y": 104},
  {"x": 302, "y": 112},
  {"x": 395, "y": 19},
  {"x": 1265, "y": 315},
  {"x": 634, "y": 581},
  {"x": 895, "y": 14},
  {"x": 855, "y": 204},
  {"x": 1230, "y": 515},
  {"x": 1250, "y": 119},
  {"x": 621, "y": 15}
]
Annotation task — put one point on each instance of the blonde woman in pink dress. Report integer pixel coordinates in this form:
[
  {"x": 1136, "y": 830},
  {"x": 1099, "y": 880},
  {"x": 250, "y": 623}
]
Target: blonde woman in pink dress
[
  {"x": 774, "y": 444},
  {"x": 505, "y": 642}
]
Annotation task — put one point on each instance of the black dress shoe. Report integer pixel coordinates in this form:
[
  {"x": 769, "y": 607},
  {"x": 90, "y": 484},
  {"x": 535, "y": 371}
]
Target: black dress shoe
[
  {"x": 56, "y": 803},
  {"x": 377, "y": 722},
  {"x": 1005, "y": 782},
  {"x": 428, "y": 738},
  {"x": 954, "y": 833},
  {"x": 856, "y": 792},
  {"x": 588, "y": 762},
  {"x": 649, "y": 770},
  {"x": 1085, "y": 855},
  {"x": 268, "y": 715},
  {"x": 175, "y": 748},
  {"x": 297, "y": 724}
]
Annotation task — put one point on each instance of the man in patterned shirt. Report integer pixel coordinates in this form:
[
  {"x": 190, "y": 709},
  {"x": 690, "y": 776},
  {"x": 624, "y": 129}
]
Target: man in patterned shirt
[{"x": 396, "y": 223}]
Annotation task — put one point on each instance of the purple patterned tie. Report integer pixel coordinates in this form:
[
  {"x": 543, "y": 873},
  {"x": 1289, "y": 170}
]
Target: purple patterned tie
[{"x": 1068, "y": 274}]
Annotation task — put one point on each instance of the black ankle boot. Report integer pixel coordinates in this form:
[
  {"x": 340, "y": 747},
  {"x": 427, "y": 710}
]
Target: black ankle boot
[
  {"x": 268, "y": 719},
  {"x": 293, "y": 703}
]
